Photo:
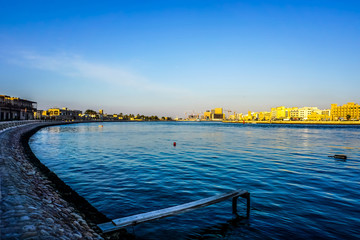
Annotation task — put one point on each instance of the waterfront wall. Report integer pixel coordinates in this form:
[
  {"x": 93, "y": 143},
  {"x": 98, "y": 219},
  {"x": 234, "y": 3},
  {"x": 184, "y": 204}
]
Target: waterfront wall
[
  {"x": 301, "y": 122},
  {"x": 35, "y": 203}
]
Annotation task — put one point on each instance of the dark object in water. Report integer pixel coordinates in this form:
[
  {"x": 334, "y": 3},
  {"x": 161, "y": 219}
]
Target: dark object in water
[{"x": 339, "y": 156}]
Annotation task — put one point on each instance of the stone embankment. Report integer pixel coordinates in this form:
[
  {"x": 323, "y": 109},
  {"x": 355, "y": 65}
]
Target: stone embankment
[{"x": 32, "y": 204}]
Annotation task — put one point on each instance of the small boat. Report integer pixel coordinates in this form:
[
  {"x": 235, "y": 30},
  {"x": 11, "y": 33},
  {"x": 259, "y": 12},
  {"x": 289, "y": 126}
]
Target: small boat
[{"x": 339, "y": 156}]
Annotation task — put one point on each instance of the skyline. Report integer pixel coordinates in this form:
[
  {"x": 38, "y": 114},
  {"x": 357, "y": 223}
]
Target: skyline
[{"x": 167, "y": 58}]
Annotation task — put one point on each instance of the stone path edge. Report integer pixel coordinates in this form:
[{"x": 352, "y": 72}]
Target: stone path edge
[{"x": 91, "y": 215}]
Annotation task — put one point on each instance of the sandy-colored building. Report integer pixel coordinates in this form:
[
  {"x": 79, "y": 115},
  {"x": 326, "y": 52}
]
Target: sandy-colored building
[
  {"x": 264, "y": 116},
  {"x": 214, "y": 115},
  {"x": 349, "y": 111},
  {"x": 62, "y": 114},
  {"x": 321, "y": 115},
  {"x": 281, "y": 113}
]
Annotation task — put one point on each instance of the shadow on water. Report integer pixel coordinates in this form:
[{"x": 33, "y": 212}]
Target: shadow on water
[{"x": 220, "y": 230}]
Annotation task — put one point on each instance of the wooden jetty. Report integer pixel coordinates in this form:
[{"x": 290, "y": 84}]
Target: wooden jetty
[{"x": 119, "y": 223}]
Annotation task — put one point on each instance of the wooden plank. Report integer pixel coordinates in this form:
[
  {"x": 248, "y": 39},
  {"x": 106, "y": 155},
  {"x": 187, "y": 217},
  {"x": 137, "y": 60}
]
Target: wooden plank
[
  {"x": 108, "y": 227},
  {"x": 166, "y": 212}
]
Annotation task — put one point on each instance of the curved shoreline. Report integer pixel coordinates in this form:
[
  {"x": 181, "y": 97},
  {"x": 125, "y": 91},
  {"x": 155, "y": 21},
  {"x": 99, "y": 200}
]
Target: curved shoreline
[{"x": 35, "y": 202}]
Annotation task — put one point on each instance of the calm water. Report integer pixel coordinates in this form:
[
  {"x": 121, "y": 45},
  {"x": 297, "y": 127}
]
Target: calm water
[{"x": 296, "y": 190}]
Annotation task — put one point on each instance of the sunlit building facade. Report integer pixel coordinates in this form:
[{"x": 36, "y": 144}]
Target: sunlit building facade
[
  {"x": 62, "y": 114},
  {"x": 349, "y": 111},
  {"x": 214, "y": 115}
]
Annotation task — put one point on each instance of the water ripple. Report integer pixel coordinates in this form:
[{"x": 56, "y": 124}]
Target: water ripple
[{"x": 297, "y": 191}]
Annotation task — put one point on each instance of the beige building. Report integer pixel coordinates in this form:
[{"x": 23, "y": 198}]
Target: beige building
[
  {"x": 281, "y": 113},
  {"x": 349, "y": 111},
  {"x": 304, "y": 112},
  {"x": 62, "y": 114},
  {"x": 214, "y": 115}
]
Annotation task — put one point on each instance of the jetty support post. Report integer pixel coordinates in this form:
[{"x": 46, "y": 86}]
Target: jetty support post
[{"x": 234, "y": 204}]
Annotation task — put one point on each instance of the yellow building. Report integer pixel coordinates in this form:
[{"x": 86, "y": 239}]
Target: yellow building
[
  {"x": 62, "y": 113},
  {"x": 214, "y": 115},
  {"x": 294, "y": 114},
  {"x": 264, "y": 116},
  {"x": 281, "y": 113},
  {"x": 232, "y": 117},
  {"x": 351, "y": 110},
  {"x": 304, "y": 113},
  {"x": 316, "y": 116},
  {"x": 207, "y": 115}
]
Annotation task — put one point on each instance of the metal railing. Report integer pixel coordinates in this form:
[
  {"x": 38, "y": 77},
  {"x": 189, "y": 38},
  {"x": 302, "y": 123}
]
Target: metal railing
[{"x": 9, "y": 124}]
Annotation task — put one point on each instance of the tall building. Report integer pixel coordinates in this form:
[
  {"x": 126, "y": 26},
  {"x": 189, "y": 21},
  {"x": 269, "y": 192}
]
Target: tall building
[
  {"x": 350, "y": 110},
  {"x": 14, "y": 108}
]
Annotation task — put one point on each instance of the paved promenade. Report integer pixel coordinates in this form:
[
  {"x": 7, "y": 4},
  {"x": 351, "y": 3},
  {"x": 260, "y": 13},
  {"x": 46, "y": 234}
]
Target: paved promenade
[{"x": 30, "y": 207}]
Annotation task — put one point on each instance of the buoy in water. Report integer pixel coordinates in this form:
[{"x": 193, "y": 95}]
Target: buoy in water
[
  {"x": 100, "y": 126},
  {"x": 174, "y": 144}
]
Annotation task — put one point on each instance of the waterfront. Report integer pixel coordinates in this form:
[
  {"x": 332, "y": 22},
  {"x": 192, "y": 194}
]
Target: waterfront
[
  {"x": 30, "y": 206},
  {"x": 128, "y": 168}
]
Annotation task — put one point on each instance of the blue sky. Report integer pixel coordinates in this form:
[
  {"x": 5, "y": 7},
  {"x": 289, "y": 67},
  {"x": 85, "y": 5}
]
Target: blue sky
[{"x": 171, "y": 57}]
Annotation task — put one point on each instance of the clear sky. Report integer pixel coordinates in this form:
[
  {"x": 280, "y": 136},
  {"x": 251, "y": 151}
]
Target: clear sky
[{"x": 171, "y": 57}]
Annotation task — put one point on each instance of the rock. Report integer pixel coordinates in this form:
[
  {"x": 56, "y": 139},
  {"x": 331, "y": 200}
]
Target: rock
[
  {"x": 78, "y": 235},
  {"x": 49, "y": 220},
  {"x": 76, "y": 224},
  {"x": 77, "y": 216},
  {"x": 29, "y": 228},
  {"x": 44, "y": 233},
  {"x": 82, "y": 222},
  {"x": 48, "y": 201},
  {"x": 25, "y": 218},
  {"x": 30, "y": 173},
  {"x": 59, "y": 205},
  {"x": 19, "y": 207},
  {"x": 28, "y": 235}
]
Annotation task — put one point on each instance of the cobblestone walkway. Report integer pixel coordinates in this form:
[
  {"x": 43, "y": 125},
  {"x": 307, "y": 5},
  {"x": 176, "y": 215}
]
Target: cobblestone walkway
[{"x": 30, "y": 208}]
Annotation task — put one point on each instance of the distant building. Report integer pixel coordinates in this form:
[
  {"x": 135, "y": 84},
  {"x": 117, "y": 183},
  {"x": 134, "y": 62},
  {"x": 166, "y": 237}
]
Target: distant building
[
  {"x": 264, "y": 116},
  {"x": 217, "y": 114},
  {"x": 214, "y": 115},
  {"x": 14, "y": 108},
  {"x": 342, "y": 112},
  {"x": 304, "y": 112},
  {"x": 280, "y": 113},
  {"x": 62, "y": 114},
  {"x": 321, "y": 115},
  {"x": 207, "y": 115},
  {"x": 38, "y": 114}
]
